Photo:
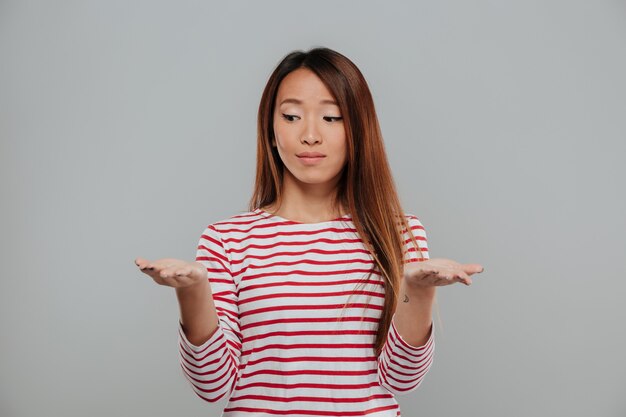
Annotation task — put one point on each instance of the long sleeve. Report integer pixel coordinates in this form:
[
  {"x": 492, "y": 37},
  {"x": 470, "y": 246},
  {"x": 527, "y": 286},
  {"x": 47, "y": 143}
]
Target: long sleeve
[
  {"x": 212, "y": 368},
  {"x": 401, "y": 366}
]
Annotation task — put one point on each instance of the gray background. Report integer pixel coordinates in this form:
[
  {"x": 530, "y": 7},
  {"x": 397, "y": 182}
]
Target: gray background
[{"x": 127, "y": 127}]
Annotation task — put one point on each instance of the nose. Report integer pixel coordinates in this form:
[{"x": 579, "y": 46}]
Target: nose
[{"x": 311, "y": 134}]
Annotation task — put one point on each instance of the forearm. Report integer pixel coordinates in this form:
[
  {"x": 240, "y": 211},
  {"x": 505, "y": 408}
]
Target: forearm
[
  {"x": 198, "y": 315},
  {"x": 413, "y": 315}
]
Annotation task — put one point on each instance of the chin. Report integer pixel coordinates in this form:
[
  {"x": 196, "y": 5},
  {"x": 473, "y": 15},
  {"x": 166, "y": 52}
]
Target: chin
[
  {"x": 311, "y": 178},
  {"x": 312, "y": 181},
  {"x": 324, "y": 180}
]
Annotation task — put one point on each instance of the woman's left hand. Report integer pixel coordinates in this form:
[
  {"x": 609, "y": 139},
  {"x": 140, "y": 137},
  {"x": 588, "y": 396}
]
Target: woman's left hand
[{"x": 439, "y": 272}]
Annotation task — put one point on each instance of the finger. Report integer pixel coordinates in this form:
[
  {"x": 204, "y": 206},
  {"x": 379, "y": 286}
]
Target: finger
[
  {"x": 185, "y": 280},
  {"x": 431, "y": 270},
  {"x": 141, "y": 262},
  {"x": 446, "y": 273},
  {"x": 445, "y": 276},
  {"x": 159, "y": 265},
  {"x": 436, "y": 278},
  {"x": 464, "y": 278},
  {"x": 167, "y": 279},
  {"x": 431, "y": 276},
  {"x": 473, "y": 268},
  {"x": 181, "y": 280},
  {"x": 168, "y": 271},
  {"x": 442, "y": 281},
  {"x": 145, "y": 268},
  {"x": 459, "y": 276},
  {"x": 183, "y": 272}
]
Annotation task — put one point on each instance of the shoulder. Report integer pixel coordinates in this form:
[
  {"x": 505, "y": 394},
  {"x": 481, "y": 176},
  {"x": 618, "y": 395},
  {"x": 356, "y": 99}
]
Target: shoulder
[
  {"x": 220, "y": 234},
  {"x": 239, "y": 218},
  {"x": 418, "y": 231},
  {"x": 241, "y": 222},
  {"x": 414, "y": 222}
]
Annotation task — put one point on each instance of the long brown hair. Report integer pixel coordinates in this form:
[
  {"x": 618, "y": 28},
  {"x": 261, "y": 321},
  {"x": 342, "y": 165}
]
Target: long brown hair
[{"x": 366, "y": 189}]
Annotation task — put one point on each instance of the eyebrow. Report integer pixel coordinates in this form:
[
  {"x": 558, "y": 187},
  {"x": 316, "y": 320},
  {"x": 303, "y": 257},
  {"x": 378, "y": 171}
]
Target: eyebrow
[{"x": 296, "y": 101}]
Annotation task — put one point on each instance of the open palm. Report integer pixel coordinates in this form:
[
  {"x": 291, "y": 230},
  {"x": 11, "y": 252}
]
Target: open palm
[{"x": 439, "y": 272}]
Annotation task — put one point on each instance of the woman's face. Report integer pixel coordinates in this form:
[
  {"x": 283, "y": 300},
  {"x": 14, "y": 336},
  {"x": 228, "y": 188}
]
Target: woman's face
[{"x": 307, "y": 119}]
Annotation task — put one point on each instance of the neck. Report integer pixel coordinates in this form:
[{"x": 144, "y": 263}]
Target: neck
[{"x": 308, "y": 203}]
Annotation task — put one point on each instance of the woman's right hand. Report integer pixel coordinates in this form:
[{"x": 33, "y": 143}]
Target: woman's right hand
[{"x": 174, "y": 272}]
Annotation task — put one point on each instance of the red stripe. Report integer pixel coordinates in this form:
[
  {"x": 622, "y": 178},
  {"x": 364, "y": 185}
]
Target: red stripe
[
  {"x": 309, "y": 273},
  {"x": 302, "y": 261},
  {"x": 307, "y": 385},
  {"x": 310, "y": 399},
  {"x": 309, "y": 283},
  {"x": 311, "y": 412},
  {"x": 308, "y": 346},
  {"x": 294, "y": 243},
  {"x": 308, "y": 307},
  {"x": 327, "y": 372},
  {"x": 311, "y": 359},
  {"x": 275, "y": 234},
  {"x": 233, "y": 229},
  {"x": 308, "y": 320},
  {"x": 353, "y": 251},
  {"x": 310, "y": 333},
  {"x": 305, "y": 295}
]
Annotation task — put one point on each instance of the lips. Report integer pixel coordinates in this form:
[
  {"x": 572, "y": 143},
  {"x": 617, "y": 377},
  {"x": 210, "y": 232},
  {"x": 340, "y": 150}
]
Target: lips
[
  {"x": 311, "y": 158},
  {"x": 310, "y": 155}
]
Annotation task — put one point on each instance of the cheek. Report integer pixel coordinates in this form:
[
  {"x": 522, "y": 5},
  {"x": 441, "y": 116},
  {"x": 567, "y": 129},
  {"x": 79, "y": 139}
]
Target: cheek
[
  {"x": 280, "y": 142},
  {"x": 280, "y": 137},
  {"x": 341, "y": 146},
  {"x": 285, "y": 141}
]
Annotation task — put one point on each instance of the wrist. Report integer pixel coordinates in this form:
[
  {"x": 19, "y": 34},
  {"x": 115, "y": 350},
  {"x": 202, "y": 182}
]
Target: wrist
[
  {"x": 420, "y": 291},
  {"x": 197, "y": 288}
]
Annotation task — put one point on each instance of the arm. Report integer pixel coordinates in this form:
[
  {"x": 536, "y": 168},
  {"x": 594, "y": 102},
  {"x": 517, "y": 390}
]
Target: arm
[
  {"x": 199, "y": 318},
  {"x": 408, "y": 352},
  {"x": 209, "y": 337},
  {"x": 413, "y": 316}
]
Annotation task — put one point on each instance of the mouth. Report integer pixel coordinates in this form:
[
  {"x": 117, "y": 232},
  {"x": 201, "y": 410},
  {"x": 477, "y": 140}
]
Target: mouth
[
  {"x": 306, "y": 159},
  {"x": 310, "y": 155}
]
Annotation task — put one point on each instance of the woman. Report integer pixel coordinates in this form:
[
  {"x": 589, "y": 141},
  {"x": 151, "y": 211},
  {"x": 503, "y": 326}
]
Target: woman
[{"x": 318, "y": 299}]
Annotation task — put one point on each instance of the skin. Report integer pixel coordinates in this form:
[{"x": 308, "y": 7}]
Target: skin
[
  {"x": 310, "y": 124},
  {"x": 413, "y": 314},
  {"x": 198, "y": 315}
]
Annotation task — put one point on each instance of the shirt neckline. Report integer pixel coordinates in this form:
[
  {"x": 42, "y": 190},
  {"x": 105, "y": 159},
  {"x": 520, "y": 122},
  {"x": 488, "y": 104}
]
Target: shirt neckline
[{"x": 269, "y": 215}]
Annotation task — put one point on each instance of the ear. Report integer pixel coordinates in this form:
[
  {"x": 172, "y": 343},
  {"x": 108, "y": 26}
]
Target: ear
[{"x": 273, "y": 142}]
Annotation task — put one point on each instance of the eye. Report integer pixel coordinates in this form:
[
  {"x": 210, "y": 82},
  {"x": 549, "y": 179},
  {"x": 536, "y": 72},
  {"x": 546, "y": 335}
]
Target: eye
[
  {"x": 289, "y": 117},
  {"x": 338, "y": 118}
]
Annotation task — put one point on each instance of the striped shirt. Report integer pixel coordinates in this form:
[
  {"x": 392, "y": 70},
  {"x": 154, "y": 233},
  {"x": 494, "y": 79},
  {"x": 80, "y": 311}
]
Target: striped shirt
[{"x": 296, "y": 334}]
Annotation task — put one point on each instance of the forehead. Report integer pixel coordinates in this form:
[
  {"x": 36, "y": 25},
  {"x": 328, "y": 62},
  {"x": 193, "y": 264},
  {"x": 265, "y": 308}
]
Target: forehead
[{"x": 303, "y": 85}]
